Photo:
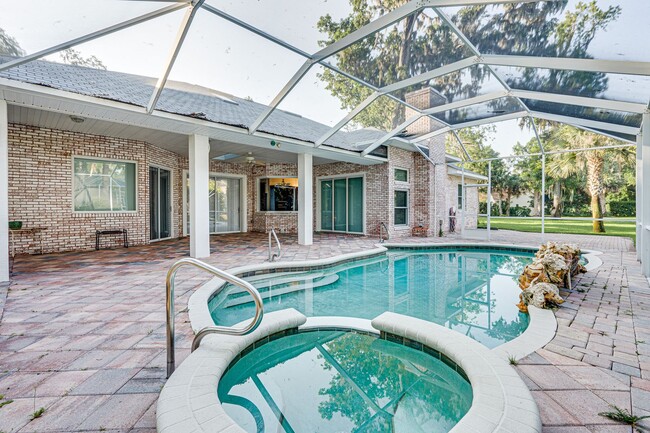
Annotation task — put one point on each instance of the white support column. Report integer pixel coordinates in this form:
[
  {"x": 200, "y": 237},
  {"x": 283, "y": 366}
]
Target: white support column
[
  {"x": 462, "y": 201},
  {"x": 305, "y": 199},
  {"x": 645, "y": 197},
  {"x": 4, "y": 193},
  {"x": 199, "y": 149},
  {"x": 489, "y": 202},
  {"x": 543, "y": 193},
  {"x": 639, "y": 197}
]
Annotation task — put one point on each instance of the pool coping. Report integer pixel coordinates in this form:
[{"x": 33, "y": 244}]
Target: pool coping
[
  {"x": 505, "y": 392},
  {"x": 501, "y": 401},
  {"x": 540, "y": 330},
  {"x": 189, "y": 402}
]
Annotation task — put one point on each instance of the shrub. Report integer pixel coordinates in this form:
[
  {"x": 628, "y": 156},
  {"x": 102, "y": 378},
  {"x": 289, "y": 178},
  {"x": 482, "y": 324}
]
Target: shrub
[
  {"x": 519, "y": 211},
  {"x": 622, "y": 208}
]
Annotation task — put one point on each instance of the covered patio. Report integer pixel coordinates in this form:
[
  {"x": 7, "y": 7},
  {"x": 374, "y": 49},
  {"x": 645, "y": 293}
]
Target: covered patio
[{"x": 494, "y": 78}]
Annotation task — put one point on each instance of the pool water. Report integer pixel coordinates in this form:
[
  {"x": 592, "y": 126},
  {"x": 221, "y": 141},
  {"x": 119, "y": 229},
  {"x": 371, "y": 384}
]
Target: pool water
[
  {"x": 471, "y": 291},
  {"x": 335, "y": 381}
]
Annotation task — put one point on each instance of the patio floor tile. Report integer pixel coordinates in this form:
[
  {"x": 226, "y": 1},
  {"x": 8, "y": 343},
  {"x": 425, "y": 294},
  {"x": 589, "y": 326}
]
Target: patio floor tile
[
  {"x": 584, "y": 405},
  {"x": 62, "y": 383},
  {"x": 64, "y": 414},
  {"x": 549, "y": 377},
  {"x": 16, "y": 415},
  {"x": 95, "y": 341},
  {"x": 551, "y": 412},
  {"x": 104, "y": 382},
  {"x": 594, "y": 378},
  {"x": 119, "y": 411}
]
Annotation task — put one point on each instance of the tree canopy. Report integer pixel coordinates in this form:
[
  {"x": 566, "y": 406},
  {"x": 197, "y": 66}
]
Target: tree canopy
[
  {"x": 9, "y": 46},
  {"x": 422, "y": 42}
]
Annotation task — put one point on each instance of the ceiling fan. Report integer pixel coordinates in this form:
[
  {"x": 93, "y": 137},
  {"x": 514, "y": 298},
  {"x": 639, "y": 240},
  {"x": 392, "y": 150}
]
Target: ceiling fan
[{"x": 249, "y": 159}]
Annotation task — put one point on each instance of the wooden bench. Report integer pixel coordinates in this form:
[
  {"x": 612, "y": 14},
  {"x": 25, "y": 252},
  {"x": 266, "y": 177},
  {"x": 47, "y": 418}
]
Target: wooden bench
[
  {"x": 123, "y": 232},
  {"x": 420, "y": 231}
]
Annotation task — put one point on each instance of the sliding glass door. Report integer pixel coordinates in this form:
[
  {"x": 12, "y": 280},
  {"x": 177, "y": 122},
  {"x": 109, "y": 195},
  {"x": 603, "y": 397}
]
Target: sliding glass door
[
  {"x": 224, "y": 205},
  {"x": 224, "y": 199},
  {"x": 341, "y": 204},
  {"x": 160, "y": 221}
]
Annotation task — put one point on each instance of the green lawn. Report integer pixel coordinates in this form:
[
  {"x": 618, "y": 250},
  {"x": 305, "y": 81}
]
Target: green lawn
[{"x": 612, "y": 228}]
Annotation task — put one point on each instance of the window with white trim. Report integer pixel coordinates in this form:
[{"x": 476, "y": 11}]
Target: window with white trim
[
  {"x": 278, "y": 194},
  {"x": 460, "y": 196},
  {"x": 401, "y": 207},
  {"x": 103, "y": 185},
  {"x": 401, "y": 175}
]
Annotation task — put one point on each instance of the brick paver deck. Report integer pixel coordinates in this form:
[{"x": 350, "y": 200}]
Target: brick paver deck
[{"x": 82, "y": 334}]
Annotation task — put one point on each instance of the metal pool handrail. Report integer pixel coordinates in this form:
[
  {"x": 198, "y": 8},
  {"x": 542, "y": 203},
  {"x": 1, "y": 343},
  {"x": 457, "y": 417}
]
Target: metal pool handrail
[
  {"x": 227, "y": 330},
  {"x": 272, "y": 255},
  {"x": 382, "y": 225}
]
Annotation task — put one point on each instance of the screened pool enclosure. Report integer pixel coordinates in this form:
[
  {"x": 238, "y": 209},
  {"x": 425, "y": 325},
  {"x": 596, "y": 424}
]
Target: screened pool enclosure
[{"x": 348, "y": 67}]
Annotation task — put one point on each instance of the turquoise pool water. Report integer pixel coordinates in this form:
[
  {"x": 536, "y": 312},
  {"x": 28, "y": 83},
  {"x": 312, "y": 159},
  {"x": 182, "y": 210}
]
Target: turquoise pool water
[
  {"x": 334, "y": 381},
  {"x": 471, "y": 291}
]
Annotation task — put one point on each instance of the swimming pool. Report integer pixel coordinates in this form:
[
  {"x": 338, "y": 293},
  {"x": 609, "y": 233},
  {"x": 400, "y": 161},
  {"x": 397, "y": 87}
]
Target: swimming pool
[
  {"x": 470, "y": 290},
  {"x": 336, "y": 381}
]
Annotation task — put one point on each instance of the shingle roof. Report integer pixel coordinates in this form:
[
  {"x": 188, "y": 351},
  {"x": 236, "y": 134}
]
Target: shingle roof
[{"x": 183, "y": 99}]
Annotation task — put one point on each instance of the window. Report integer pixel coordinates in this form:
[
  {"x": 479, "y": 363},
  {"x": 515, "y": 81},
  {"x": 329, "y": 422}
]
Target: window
[
  {"x": 278, "y": 194},
  {"x": 103, "y": 186},
  {"x": 460, "y": 196},
  {"x": 401, "y": 175},
  {"x": 401, "y": 207}
]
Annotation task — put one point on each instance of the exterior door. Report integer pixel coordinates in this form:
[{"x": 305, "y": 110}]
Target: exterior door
[
  {"x": 224, "y": 205},
  {"x": 224, "y": 199},
  {"x": 342, "y": 205},
  {"x": 160, "y": 210}
]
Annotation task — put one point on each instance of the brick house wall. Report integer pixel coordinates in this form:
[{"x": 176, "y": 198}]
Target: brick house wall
[
  {"x": 40, "y": 189},
  {"x": 403, "y": 159}
]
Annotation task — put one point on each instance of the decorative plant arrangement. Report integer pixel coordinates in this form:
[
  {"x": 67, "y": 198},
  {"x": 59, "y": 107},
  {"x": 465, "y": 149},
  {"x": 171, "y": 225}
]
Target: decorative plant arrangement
[{"x": 554, "y": 266}]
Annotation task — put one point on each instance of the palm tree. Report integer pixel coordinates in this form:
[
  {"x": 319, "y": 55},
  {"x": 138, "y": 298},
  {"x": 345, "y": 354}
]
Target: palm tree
[{"x": 564, "y": 165}]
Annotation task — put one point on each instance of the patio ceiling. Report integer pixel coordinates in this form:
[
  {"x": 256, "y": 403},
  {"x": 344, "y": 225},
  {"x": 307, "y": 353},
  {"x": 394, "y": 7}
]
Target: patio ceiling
[
  {"x": 174, "y": 142},
  {"x": 498, "y": 66}
]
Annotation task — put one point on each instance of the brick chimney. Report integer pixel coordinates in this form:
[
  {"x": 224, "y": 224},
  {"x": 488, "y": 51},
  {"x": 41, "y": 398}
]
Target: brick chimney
[
  {"x": 423, "y": 99},
  {"x": 430, "y": 182}
]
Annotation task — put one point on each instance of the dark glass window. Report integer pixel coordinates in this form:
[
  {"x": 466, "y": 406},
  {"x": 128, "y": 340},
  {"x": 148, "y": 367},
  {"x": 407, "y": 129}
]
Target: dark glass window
[
  {"x": 278, "y": 195},
  {"x": 401, "y": 175},
  {"x": 401, "y": 207}
]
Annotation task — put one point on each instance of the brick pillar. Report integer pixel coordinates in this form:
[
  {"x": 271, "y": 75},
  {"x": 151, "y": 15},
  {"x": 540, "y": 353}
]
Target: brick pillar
[{"x": 430, "y": 182}]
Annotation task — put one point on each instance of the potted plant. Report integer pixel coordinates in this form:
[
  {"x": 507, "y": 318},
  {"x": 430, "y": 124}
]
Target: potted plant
[{"x": 15, "y": 225}]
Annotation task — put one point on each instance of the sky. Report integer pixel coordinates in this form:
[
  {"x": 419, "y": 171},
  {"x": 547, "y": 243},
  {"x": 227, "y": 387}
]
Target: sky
[{"x": 222, "y": 56}]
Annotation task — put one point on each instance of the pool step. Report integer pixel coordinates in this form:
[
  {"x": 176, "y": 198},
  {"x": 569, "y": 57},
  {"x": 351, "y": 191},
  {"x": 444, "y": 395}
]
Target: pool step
[{"x": 234, "y": 300}]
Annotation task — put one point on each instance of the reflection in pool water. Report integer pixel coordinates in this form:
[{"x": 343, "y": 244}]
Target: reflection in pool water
[
  {"x": 333, "y": 381},
  {"x": 472, "y": 291}
]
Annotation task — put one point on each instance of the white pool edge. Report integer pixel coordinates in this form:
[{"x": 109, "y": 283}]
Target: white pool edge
[
  {"x": 198, "y": 303},
  {"x": 502, "y": 402},
  {"x": 188, "y": 402}
]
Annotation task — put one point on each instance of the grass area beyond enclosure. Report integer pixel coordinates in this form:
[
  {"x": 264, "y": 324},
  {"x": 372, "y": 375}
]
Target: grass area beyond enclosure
[{"x": 612, "y": 228}]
